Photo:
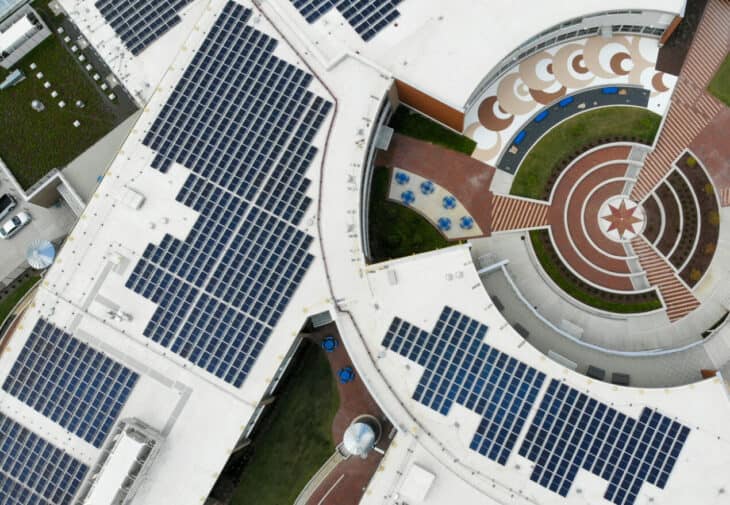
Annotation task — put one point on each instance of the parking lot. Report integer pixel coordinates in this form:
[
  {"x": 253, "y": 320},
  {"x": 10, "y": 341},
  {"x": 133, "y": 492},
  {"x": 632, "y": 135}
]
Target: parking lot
[{"x": 51, "y": 224}]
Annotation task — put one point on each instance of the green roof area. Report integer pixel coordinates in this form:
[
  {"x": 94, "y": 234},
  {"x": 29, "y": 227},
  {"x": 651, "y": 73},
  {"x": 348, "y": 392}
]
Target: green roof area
[
  {"x": 33, "y": 143},
  {"x": 720, "y": 84}
]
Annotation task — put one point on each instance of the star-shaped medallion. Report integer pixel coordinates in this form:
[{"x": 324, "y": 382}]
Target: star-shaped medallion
[{"x": 622, "y": 219}]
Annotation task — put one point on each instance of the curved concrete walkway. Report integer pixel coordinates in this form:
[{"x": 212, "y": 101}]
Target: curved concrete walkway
[{"x": 624, "y": 333}]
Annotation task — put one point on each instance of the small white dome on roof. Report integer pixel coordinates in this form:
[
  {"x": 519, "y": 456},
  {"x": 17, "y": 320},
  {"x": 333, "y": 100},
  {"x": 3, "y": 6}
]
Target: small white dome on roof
[{"x": 359, "y": 439}]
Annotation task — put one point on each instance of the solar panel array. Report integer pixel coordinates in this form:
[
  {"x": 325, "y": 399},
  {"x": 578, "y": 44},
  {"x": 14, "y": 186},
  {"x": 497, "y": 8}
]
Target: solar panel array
[
  {"x": 140, "y": 22},
  {"x": 67, "y": 381},
  {"x": 33, "y": 471},
  {"x": 461, "y": 368},
  {"x": 571, "y": 431},
  {"x": 242, "y": 120},
  {"x": 367, "y": 17}
]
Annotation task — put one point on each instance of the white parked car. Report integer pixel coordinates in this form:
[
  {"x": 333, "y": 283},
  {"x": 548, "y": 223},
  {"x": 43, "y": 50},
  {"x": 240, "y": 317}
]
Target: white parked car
[{"x": 14, "y": 224}]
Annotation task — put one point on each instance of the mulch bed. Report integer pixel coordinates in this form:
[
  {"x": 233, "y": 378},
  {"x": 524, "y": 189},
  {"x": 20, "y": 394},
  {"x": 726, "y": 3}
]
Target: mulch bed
[
  {"x": 689, "y": 219},
  {"x": 671, "y": 219},
  {"x": 649, "y": 296},
  {"x": 709, "y": 220},
  {"x": 653, "y": 219}
]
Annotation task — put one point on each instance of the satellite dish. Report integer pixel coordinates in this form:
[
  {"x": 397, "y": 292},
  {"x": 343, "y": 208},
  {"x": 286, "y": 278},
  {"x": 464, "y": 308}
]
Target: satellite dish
[{"x": 40, "y": 254}]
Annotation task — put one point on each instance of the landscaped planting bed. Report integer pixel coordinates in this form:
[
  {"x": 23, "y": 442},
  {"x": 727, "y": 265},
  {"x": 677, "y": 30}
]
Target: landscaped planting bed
[
  {"x": 709, "y": 221},
  {"x": 688, "y": 206},
  {"x": 582, "y": 291}
]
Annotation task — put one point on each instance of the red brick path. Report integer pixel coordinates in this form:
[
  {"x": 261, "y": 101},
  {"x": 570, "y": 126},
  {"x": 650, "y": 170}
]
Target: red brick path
[
  {"x": 346, "y": 483},
  {"x": 567, "y": 218},
  {"x": 509, "y": 214},
  {"x": 678, "y": 299},
  {"x": 692, "y": 108},
  {"x": 712, "y": 146}
]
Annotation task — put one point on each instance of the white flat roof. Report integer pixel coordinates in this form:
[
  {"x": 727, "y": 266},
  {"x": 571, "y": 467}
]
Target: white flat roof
[
  {"x": 115, "y": 471},
  {"x": 15, "y": 32},
  {"x": 443, "y": 47}
]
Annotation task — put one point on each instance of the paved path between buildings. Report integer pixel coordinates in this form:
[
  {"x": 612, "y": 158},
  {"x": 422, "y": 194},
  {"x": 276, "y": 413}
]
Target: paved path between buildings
[{"x": 692, "y": 108}]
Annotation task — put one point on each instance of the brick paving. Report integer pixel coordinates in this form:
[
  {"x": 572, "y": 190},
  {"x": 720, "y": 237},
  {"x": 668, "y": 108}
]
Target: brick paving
[
  {"x": 692, "y": 108},
  {"x": 346, "y": 483},
  {"x": 591, "y": 217},
  {"x": 678, "y": 299},
  {"x": 466, "y": 178},
  {"x": 567, "y": 218},
  {"x": 711, "y": 146}
]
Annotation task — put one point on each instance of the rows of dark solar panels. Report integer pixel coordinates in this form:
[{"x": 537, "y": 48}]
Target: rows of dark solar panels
[
  {"x": 33, "y": 471},
  {"x": 242, "y": 120},
  {"x": 139, "y": 23},
  {"x": 573, "y": 431},
  {"x": 569, "y": 431},
  {"x": 459, "y": 367},
  {"x": 67, "y": 381},
  {"x": 367, "y": 17}
]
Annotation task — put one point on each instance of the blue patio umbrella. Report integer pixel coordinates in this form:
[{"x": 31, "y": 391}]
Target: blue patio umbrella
[
  {"x": 346, "y": 374},
  {"x": 408, "y": 197},
  {"x": 449, "y": 202},
  {"x": 329, "y": 343},
  {"x": 427, "y": 187},
  {"x": 444, "y": 224},
  {"x": 466, "y": 223},
  {"x": 402, "y": 178}
]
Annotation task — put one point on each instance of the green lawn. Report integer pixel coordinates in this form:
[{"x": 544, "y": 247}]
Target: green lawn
[
  {"x": 576, "y": 291},
  {"x": 720, "y": 84},
  {"x": 32, "y": 143},
  {"x": 573, "y": 135},
  {"x": 411, "y": 123},
  {"x": 7, "y": 303},
  {"x": 395, "y": 230},
  {"x": 295, "y": 439}
]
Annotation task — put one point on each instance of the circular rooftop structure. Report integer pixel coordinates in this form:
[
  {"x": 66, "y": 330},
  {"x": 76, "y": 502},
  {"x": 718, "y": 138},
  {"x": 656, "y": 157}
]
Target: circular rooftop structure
[
  {"x": 359, "y": 439},
  {"x": 40, "y": 254}
]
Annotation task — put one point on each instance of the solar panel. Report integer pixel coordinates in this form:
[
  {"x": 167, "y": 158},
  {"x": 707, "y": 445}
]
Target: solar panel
[
  {"x": 242, "y": 120},
  {"x": 67, "y": 381},
  {"x": 459, "y": 367},
  {"x": 33, "y": 471},
  {"x": 571, "y": 431},
  {"x": 367, "y": 17},
  {"x": 138, "y": 23}
]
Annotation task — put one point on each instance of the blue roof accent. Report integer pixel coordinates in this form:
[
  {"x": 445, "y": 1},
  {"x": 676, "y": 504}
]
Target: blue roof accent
[
  {"x": 449, "y": 202},
  {"x": 466, "y": 223},
  {"x": 520, "y": 137},
  {"x": 542, "y": 116},
  {"x": 566, "y": 101},
  {"x": 408, "y": 197},
  {"x": 611, "y": 90}
]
